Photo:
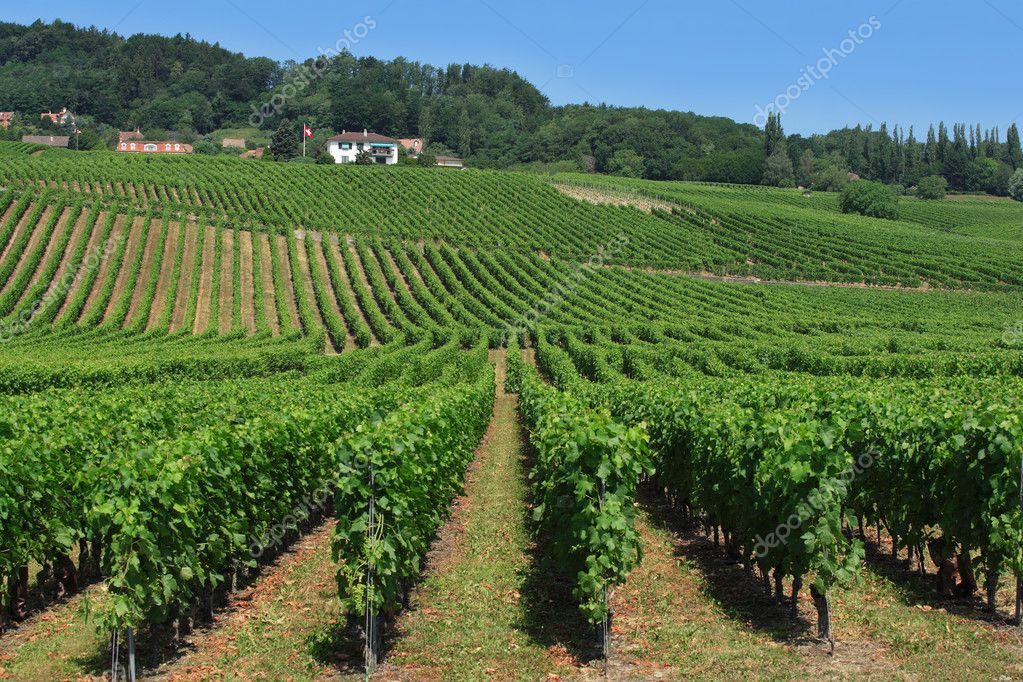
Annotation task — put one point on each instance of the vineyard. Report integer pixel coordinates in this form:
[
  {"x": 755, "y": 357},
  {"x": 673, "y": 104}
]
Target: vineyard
[{"x": 210, "y": 362}]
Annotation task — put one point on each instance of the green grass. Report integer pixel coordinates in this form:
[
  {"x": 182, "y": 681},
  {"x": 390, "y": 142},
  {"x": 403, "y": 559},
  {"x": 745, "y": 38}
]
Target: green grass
[{"x": 469, "y": 618}]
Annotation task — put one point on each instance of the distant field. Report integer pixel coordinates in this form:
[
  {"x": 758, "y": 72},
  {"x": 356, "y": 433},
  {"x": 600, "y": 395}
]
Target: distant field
[{"x": 749, "y": 231}]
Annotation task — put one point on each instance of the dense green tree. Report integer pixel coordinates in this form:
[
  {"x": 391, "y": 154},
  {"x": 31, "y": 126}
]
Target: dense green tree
[
  {"x": 831, "y": 179},
  {"x": 778, "y": 169},
  {"x": 807, "y": 168},
  {"x": 284, "y": 144},
  {"x": 1013, "y": 152},
  {"x": 1015, "y": 188},
  {"x": 626, "y": 163},
  {"x": 872, "y": 199},
  {"x": 933, "y": 187}
]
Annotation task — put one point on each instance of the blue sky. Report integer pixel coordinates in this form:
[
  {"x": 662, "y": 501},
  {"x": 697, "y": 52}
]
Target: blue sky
[{"x": 914, "y": 61}]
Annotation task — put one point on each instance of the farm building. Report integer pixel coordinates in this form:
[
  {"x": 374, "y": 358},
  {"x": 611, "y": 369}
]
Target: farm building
[
  {"x": 49, "y": 140},
  {"x": 450, "y": 162}
]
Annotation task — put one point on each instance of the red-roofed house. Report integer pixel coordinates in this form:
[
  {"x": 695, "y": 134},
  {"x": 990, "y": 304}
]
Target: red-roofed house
[
  {"x": 60, "y": 117},
  {"x": 414, "y": 146},
  {"x": 5, "y": 119},
  {"x": 347, "y": 146},
  {"x": 256, "y": 153},
  {"x": 148, "y": 147}
]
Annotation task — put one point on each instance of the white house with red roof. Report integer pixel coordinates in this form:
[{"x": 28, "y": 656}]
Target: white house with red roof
[{"x": 347, "y": 146}]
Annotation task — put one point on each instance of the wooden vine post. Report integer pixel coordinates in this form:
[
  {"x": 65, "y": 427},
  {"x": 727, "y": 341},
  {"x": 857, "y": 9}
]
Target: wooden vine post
[
  {"x": 606, "y": 624},
  {"x": 1019, "y": 580},
  {"x": 371, "y": 649}
]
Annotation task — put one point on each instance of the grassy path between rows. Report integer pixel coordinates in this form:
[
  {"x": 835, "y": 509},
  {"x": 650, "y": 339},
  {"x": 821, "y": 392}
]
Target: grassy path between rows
[{"x": 469, "y": 616}]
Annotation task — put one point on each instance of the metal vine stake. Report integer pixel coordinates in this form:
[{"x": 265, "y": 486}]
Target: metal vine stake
[{"x": 115, "y": 656}]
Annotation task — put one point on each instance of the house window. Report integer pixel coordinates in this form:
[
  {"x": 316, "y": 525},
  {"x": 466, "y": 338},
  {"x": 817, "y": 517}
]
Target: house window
[
  {"x": 345, "y": 145},
  {"x": 167, "y": 147},
  {"x": 177, "y": 147},
  {"x": 151, "y": 148},
  {"x": 133, "y": 146},
  {"x": 124, "y": 146}
]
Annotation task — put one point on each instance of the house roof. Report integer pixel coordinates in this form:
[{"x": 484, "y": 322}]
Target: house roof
[
  {"x": 364, "y": 136},
  {"x": 413, "y": 144},
  {"x": 50, "y": 140},
  {"x": 126, "y": 135},
  {"x": 6, "y": 115},
  {"x": 253, "y": 154}
]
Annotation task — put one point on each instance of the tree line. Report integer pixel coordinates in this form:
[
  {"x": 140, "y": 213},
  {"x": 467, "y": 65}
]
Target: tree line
[{"x": 183, "y": 88}]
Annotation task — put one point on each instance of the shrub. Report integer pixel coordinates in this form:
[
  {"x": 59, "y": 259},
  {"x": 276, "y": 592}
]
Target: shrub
[
  {"x": 831, "y": 179},
  {"x": 871, "y": 199},
  {"x": 933, "y": 188},
  {"x": 1016, "y": 185}
]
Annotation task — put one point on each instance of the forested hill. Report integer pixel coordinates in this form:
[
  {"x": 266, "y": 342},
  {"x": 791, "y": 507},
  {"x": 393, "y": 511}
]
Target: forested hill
[
  {"x": 184, "y": 88},
  {"x": 490, "y": 115}
]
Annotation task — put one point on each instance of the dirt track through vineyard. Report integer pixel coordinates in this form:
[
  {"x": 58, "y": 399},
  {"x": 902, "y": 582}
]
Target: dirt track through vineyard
[
  {"x": 226, "y": 292},
  {"x": 247, "y": 285},
  {"x": 205, "y": 297},
  {"x": 267, "y": 282}
]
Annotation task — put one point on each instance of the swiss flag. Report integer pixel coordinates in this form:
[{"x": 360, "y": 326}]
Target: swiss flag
[{"x": 307, "y": 131}]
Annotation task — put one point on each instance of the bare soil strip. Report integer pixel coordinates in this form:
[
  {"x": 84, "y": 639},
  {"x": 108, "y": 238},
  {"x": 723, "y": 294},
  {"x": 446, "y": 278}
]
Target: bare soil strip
[
  {"x": 226, "y": 292},
  {"x": 49, "y": 253},
  {"x": 134, "y": 244},
  {"x": 65, "y": 261},
  {"x": 148, "y": 258},
  {"x": 321, "y": 265},
  {"x": 9, "y": 210},
  {"x": 248, "y": 292},
  {"x": 94, "y": 246},
  {"x": 269, "y": 295},
  {"x": 33, "y": 242},
  {"x": 185, "y": 278},
  {"x": 307, "y": 284},
  {"x": 23, "y": 225},
  {"x": 775, "y": 282},
  {"x": 166, "y": 271},
  {"x": 116, "y": 234},
  {"x": 204, "y": 300},
  {"x": 597, "y": 196},
  {"x": 291, "y": 303},
  {"x": 335, "y": 247}
]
